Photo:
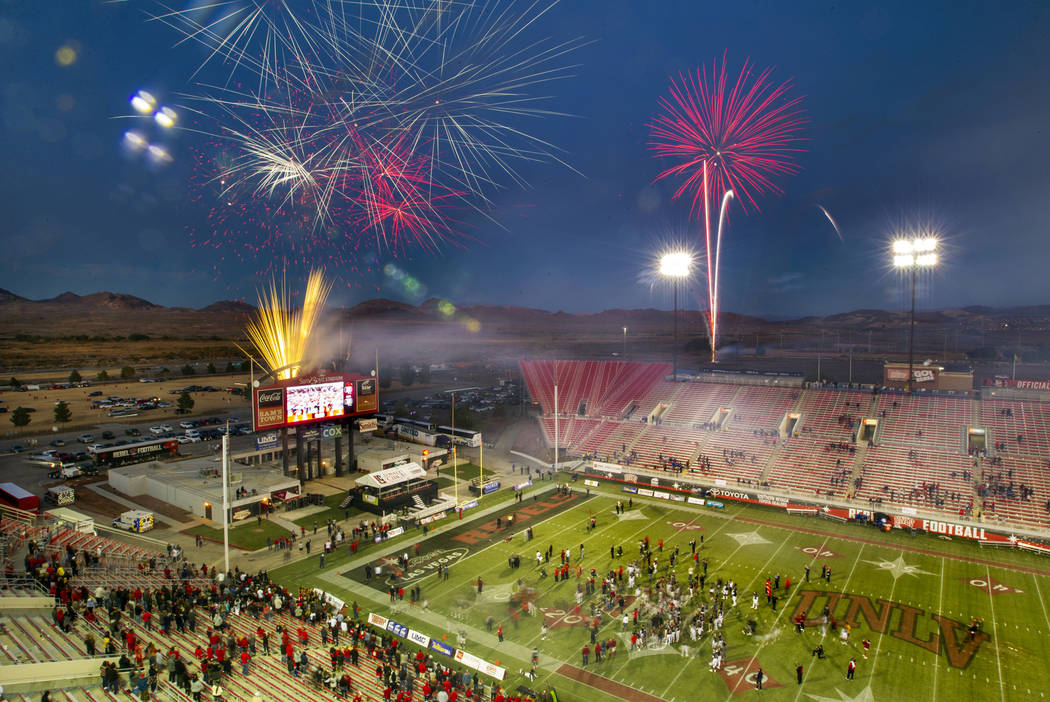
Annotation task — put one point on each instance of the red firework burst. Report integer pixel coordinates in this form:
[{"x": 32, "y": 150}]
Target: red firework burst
[
  {"x": 398, "y": 199},
  {"x": 746, "y": 130}
]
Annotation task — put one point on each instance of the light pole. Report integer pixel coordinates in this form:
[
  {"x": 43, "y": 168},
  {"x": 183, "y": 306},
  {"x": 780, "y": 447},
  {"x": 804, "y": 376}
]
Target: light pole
[
  {"x": 625, "y": 342},
  {"x": 676, "y": 266},
  {"x": 455, "y": 467},
  {"x": 911, "y": 255}
]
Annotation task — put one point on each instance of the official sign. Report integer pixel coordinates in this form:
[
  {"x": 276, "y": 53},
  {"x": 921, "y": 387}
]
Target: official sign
[
  {"x": 364, "y": 425},
  {"x": 266, "y": 441}
]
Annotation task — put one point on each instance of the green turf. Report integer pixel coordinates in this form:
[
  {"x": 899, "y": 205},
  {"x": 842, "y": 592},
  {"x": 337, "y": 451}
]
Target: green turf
[
  {"x": 464, "y": 471},
  {"x": 251, "y": 535},
  {"x": 443, "y": 482},
  {"x": 331, "y": 511},
  {"x": 884, "y": 574}
]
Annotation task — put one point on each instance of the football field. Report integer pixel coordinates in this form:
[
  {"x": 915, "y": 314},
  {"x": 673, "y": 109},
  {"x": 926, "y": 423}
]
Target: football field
[{"x": 913, "y": 598}]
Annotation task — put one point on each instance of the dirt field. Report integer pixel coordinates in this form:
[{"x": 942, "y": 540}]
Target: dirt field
[
  {"x": 43, "y": 401},
  {"x": 25, "y": 355}
]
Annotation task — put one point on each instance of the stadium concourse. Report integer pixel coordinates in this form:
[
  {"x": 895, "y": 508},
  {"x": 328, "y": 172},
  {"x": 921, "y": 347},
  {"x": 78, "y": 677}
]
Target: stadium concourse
[
  {"x": 955, "y": 455},
  {"x": 94, "y": 620}
]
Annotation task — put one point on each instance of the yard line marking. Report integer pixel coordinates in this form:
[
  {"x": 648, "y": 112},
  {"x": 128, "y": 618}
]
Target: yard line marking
[
  {"x": 627, "y": 657},
  {"x": 754, "y": 656},
  {"x": 1039, "y": 594},
  {"x": 995, "y": 632},
  {"x": 937, "y": 659}
]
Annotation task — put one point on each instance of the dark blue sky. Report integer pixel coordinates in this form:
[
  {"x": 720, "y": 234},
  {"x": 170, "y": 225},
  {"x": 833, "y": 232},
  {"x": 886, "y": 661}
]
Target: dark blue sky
[{"x": 919, "y": 112}]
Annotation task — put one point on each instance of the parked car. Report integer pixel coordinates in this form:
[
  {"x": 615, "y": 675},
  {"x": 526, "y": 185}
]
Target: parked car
[
  {"x": 106, "y": 435},
  {"x": 156, "y": 430},
  {"x": 187, "y": 424},
  {"x": 18, "y": 448},
  {"x": 132, "y": 432},
  {"x": 95, "y": 393},
  {"x": 58, "y": 442},
  {"x": 166, "y": 427},
  {"x": 86, "y": 438}
]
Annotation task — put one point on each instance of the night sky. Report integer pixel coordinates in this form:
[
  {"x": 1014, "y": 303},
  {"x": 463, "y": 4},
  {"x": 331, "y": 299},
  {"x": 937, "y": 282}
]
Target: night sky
[{"x": 920, "y": 114}]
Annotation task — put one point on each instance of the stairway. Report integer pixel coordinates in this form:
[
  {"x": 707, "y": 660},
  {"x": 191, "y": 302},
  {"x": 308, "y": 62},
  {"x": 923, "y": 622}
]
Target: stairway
[{"x": 418, "y": 502}]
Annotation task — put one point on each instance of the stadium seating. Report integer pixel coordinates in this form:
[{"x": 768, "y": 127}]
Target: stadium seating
[
  {"x": 697, "y": 403},
  {"x": 924, "y": 421},
  {"x": 760, "y": 407},
  {"x": 811, "y": 467},
  {"x": 920, "y": 439},
  {"x": 826, "y": 414},
  {"x": 1009, "y": 419}
]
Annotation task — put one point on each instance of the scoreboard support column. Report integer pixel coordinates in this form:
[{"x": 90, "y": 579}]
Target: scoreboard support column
[
  {"x": 284, "y": 450},
  {"x": 300, "y": 457},
  {"x": 338, "y": 447}
]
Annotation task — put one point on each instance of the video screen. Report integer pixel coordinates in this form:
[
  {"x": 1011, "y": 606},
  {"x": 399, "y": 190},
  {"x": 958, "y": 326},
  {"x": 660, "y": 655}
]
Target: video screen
[
  {"x": 348, "y": 396},
  {"x": 306, "y": 403}
]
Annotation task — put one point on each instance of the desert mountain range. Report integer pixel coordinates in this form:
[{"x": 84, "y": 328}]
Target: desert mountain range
[{"x": 103, "y": 312}]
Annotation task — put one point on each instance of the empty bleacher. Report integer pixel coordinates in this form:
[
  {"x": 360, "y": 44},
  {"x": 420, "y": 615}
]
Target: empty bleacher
[
  {"x": 1010, "y": 419},
  {"x": 696, "y": 403},
  {"x": 759, "y": 407},
  {"x": 811, "y": 467},
  {"x": 827, "y": 414},
  {"x": 918, "y": 421}
]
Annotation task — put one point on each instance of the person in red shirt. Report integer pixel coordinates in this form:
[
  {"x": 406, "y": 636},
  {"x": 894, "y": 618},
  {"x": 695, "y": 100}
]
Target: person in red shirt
[{"x": 245, "y": 658}]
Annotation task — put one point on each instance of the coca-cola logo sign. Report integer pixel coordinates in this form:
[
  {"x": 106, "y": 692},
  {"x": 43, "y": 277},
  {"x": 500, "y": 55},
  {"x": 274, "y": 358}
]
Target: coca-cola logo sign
[{"x": 271, "y": 398}]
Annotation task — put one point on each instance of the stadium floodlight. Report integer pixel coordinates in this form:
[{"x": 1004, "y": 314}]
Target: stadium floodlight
[
  {"x": 676, "y": 265},
  {"x": 911, "y": 255}
]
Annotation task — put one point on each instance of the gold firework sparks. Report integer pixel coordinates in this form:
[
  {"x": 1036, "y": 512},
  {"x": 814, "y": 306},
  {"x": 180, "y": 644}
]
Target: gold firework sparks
[{"x": 281, "y": 333}]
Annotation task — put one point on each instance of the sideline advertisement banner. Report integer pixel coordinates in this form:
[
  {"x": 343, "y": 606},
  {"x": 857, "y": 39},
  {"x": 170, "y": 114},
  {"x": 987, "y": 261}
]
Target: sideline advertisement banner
[
  {"x": 419, "y": 639},
  {"x": 975, "y": 532},
  {"x": 608, "y": 467},
  {"x": 442, "y": 648}
]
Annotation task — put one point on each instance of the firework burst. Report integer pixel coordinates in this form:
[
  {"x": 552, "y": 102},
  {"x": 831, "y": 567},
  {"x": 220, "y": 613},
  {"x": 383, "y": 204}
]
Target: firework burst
[
  {"x": 280, "y": 333},
  {"x": 744, "y": 130},
  {"x": 729, "y": 136},
  {"x": 373, "y": 119}
]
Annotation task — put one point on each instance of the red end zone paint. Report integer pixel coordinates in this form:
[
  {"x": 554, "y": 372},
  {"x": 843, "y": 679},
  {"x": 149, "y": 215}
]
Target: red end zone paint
[{"x": 522, "y": 515}]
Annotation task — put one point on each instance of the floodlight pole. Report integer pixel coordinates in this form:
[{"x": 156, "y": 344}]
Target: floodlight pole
[
  {"x": 911, "y": 333},
  {"x": 455, "y": 468},
  {"x": 625, "y": 342},
  {"x": 555, "y": 426},
  {"x": 226, "y": 499},
  {"x": 674, "y": 352}
]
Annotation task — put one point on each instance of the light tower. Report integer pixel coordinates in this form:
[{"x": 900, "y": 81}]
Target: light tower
[
  {"x": 676, "y": 265},
  {"x": 913, "y": 254}
]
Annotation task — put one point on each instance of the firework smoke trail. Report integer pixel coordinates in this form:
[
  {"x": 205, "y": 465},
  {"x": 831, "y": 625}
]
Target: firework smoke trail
[
  {"x": 833, "y": 222},
  {"x": 732, "y": 136},
  {"x": 713, "y": 320}
]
